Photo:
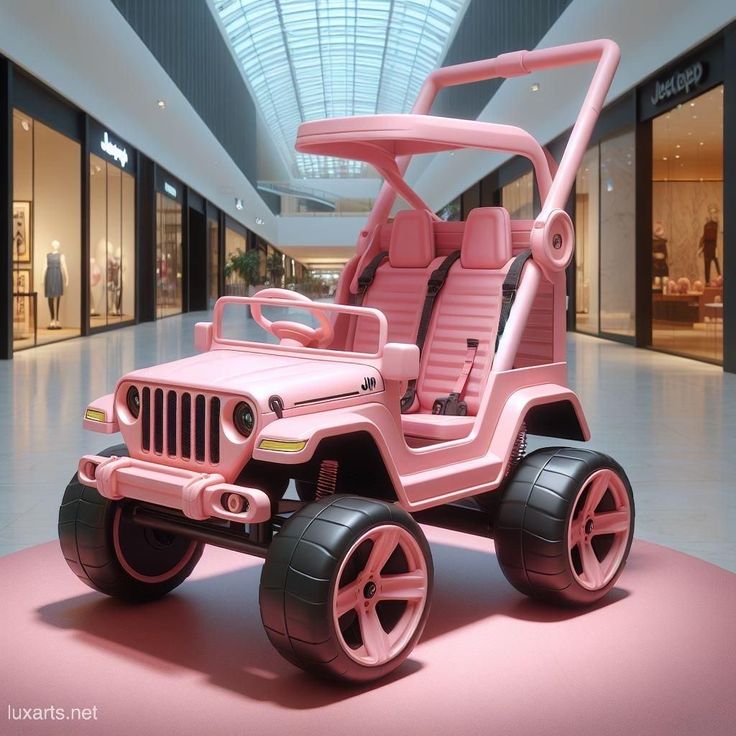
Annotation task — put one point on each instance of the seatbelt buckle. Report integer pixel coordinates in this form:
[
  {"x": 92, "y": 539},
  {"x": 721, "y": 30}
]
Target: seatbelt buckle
[{"x": 450, "y": 405}]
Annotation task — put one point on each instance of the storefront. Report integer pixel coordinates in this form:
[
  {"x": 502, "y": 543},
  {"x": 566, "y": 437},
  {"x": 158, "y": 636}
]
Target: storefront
[
  {"x": 46, "y": 238},
  {"x": 112, "y": 229},
  {"x": 170, "y": 263},
  {"x": 683, "y": 116}
]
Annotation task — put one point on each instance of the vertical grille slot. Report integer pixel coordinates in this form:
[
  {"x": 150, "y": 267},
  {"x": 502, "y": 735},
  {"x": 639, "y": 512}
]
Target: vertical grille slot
[
  {"x": 171, "y": 423},
  {"x": 215, "y": 430},
  {"x": 186, "y": 425},
  {"x": 146, "y": 419},
  {"x": 158, "y": 421},
  {"x": 199, "y": 427}
]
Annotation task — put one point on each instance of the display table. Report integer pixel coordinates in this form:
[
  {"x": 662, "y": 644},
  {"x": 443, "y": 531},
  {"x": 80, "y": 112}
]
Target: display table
[{"x": 657, "y": 657}]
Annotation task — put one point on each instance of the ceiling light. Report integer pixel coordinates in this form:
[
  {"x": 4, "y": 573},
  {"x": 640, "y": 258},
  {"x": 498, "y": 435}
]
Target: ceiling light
[
  {"x": 25, "y": 125},
  {"x": 677, "y": 155},
  {"x": 677, "y": 146},
  {"x": 702, "y": 143},
  {"x": 535, "y": 87},
  {"x": 238, "y": 203},
  {"x": 692, "y": 104},
  {"x": 664, "y": 158},
  {"x": 161, "y": 105}
]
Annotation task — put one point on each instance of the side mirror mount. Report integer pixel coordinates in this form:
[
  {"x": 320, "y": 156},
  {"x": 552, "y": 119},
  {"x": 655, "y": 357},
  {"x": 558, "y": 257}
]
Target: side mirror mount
[
  {"x": 400, "y": 361},
  {"x": 202, "y": 336}
]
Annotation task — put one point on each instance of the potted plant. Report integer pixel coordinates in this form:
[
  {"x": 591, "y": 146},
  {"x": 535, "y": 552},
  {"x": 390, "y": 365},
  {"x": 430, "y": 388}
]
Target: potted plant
[
  {"x": 275, "y": 268},
  {"x": 246, "y": 267}
]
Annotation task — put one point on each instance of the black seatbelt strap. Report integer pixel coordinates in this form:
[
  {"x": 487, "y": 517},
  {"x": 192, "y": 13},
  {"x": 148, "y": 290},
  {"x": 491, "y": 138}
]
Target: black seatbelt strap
[
  {"x": 453, "y": 404},
  {"x": 369, "y": 273},
  {"x": 508, "y": 292},
  {"x": 434, "y": 286}
]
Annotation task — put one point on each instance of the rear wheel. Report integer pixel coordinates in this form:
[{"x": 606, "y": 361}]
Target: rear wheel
[
  {"x": 346, "y": 587},
  {"x": 564, "y": 525},
  {"x": 114, "y": 555}
]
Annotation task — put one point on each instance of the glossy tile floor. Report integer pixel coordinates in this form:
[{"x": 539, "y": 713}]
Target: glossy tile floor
[{"x": 669, "y": 421}]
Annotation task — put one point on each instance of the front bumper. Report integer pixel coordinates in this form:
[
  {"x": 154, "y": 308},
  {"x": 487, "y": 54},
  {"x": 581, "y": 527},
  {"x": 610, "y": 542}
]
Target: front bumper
[{"x": 199, "y": 496}]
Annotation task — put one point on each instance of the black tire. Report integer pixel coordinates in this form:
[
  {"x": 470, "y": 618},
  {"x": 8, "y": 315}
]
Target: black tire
[
  {"x": 543, "y": 512},
  {"x": 323, "y": 548},
  {"x": 113, "y": 555}
]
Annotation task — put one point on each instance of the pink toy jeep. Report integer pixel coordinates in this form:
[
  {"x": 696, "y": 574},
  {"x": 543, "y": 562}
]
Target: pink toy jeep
[{"x": 407, "y": 400}]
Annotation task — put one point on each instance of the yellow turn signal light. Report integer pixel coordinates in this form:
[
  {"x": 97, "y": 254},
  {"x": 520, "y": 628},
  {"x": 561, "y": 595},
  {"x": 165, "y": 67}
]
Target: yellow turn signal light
[
  {"x": 95, "y": 415},
  {"x": 282, "y": 445}
]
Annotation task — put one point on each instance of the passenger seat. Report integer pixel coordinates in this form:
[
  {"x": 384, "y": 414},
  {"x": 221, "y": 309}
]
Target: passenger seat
[
  {"x": 468, "y": 307},
  {"x": 400, "y": 283}
]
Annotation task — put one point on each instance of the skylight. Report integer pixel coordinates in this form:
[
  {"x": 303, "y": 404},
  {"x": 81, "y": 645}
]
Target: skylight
[{"x": 312, "y": 59}]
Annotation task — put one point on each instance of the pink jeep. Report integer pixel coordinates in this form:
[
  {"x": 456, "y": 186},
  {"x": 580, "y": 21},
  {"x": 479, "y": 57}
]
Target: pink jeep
[{"x": 407, "y": 400}]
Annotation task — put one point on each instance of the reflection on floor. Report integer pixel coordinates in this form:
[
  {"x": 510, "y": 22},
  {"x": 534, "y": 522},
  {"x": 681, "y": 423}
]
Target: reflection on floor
[{"x": 669, "y": 421}]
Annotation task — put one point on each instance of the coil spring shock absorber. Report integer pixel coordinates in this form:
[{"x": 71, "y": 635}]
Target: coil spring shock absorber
[
  {"x": 518, "y": 450},
  {"x": 327, "y": 479}
]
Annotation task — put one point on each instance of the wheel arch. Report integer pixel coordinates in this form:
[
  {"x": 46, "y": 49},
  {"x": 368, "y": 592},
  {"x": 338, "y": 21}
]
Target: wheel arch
[{"x": 562, "y": 417}]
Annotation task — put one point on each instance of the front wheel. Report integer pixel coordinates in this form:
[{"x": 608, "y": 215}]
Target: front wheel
[
  {"x": 564, "y": 525},
  {"x": 114, "y": 555},
  {"x": 346, "y": 587}
]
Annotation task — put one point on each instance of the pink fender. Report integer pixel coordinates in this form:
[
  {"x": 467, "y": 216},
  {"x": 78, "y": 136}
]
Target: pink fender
[{"x": 102, "y": 407}]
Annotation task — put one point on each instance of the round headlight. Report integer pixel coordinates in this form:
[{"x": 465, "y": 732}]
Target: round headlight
[
  {"x": 244, "y": 418},
  {"x": 133, "y": 401}
]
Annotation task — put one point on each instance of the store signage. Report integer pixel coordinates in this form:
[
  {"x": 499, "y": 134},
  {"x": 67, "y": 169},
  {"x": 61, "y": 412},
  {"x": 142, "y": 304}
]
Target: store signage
[
  {"x": 113, "y": 150},
  {"x": 170, "y": 189},
  {"x": 681, "y": 82}
]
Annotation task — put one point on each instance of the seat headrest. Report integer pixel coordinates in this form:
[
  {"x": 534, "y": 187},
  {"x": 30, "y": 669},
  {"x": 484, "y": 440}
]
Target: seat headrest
[
  {"x": 487, "y": 238},
  {"x": 412, "y": 240}
]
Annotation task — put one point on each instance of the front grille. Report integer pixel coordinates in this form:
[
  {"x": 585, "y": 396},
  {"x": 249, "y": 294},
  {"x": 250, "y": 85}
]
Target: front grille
[{"x": 179, "y": 424}]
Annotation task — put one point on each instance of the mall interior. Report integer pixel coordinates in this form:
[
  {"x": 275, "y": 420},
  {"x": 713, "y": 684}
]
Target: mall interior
[{"x": 149, "y": 169}]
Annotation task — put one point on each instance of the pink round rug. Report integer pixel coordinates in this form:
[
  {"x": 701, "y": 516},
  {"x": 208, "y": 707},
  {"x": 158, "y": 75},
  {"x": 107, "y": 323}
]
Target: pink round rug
[{"x": 658, "y": 657}]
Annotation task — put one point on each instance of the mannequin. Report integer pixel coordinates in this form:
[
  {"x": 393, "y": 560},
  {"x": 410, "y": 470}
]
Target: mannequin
[
  {"x": 709, "y": 242},
  {"x": 660, "y": 267},
  {"x": 95, "y": 276},
  {"x": 55, "y": 278},
  {"x": 114, "y": 282}
]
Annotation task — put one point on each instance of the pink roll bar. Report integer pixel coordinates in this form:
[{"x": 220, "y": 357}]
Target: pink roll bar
[{"x": 603, "y": 51}]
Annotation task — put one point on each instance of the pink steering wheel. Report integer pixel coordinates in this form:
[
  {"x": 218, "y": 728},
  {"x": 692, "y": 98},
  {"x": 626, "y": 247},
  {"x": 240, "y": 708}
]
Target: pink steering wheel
[{"x": 294, "y": 333}]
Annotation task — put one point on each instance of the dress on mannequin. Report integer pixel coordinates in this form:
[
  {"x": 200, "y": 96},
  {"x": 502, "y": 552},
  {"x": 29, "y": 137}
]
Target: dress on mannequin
[
  {"x": 709, "y": 242},
  {"x": 95, "y": 276},
  {"x": 114, "y": 284},
  {"x": 660, "y": 267},
  {"x": 55, "y": 278}
]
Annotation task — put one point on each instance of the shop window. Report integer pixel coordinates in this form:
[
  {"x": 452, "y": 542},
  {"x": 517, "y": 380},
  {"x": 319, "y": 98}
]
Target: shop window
[
  {"x": 46, "y": 231},
  {"x": 617, "y": 235},
  {"x": 169, "y": 256},
  {"x": 451, "y": 211},
  {"x": 518, "y": 197},
  {"x": 587, "y": 251},
  {"x": 687, "y": 231},
  {"x": 112, "y": 244},
  {"x": 213, "y": 264}
]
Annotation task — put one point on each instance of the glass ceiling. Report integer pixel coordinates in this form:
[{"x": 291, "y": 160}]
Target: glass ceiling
[{"x": 312, "y": 59}]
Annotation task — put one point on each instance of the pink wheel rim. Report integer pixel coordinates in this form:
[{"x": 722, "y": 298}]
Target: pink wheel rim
[
  {"x": 598, "y": 533},
  {"x": 152, "y": 579},
  {"x": 377, "y": 611}
]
